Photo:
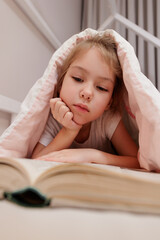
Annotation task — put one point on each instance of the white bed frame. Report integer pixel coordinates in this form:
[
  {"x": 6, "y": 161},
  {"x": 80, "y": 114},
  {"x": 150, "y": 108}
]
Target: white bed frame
[{"x": 10, "y": 106}]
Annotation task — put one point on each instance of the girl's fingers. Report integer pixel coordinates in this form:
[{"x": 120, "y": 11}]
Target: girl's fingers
[
  {"x": 57, "y": 106},
  {"x": 69, "y": 121},
  {"x": 63, "y": 110},
  {"x": 62, "y": 113},
  {"x": 68, "y": 117},
  {"x": 53, "y": 102}
]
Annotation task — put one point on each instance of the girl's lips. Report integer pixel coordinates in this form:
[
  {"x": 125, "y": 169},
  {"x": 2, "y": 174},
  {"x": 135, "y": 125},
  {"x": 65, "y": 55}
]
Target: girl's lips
[{"x": 82, "y": 107}]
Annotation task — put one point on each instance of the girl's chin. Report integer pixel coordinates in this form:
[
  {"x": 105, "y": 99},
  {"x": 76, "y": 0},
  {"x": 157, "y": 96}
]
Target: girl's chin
[{"x": 79, "y": 121}]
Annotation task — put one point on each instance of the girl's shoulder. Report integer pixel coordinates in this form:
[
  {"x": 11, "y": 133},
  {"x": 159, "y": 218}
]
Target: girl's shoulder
[
  {"x": 108, "y": 123},
  {"x": 109, "y": 116}
]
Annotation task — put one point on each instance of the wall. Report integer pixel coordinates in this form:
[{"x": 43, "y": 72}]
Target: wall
[
  {"x": 25, "y": 52},
  {"x": 62, "y": 16}
]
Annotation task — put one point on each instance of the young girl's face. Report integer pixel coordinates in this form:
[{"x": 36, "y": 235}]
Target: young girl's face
[{"x": 88, "y": 86}]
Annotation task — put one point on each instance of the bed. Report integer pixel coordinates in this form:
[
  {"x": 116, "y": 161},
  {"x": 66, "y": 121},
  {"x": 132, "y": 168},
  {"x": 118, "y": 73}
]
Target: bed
[{"x": 27, "y": 223}]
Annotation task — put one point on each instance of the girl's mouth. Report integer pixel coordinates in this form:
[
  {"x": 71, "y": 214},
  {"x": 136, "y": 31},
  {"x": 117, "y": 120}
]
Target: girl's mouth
[{"x": 81, "y": 107}]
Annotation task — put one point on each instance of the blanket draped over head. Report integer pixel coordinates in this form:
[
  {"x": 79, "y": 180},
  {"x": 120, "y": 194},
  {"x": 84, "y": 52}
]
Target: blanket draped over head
[{"x": 142, "y": 105}]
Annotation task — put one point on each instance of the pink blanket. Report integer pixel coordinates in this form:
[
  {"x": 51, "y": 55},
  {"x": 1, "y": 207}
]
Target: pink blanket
[{"x": 143, "y": 106}]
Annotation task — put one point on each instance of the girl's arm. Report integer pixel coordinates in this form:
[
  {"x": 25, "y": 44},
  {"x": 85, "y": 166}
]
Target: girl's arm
[
  {"x": 65, "y": 136},
  {"x": 89, "y": 155},
  {"x": 125, "y": 147},
  {"x": 121, "y": 140},
  {"x": 62, "y": 140},
  {"x": 115, "y": 160}
]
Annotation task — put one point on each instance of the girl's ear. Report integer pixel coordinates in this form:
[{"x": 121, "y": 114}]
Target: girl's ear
[{"x": 109, "y": 104}]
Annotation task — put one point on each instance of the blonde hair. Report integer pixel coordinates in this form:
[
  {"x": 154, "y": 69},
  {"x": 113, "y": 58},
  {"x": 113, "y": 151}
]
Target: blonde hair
[{"x": 107, "y": 48}]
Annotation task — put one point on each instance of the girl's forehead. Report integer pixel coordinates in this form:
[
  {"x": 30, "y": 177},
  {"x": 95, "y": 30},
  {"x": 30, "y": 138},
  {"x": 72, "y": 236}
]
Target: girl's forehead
[
  {"x": 82, "y": 53},
  {"x": 91, "y": 62},
  {"x": 90, "y": 55}
]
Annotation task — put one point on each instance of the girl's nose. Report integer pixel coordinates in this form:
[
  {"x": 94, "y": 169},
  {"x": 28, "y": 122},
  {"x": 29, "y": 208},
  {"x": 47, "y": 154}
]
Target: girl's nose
[{"x": 86, "y": 93}]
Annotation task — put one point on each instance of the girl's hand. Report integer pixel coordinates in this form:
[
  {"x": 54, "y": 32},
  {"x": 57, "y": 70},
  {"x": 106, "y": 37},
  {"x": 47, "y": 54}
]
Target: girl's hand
[
  {"x": 71, "y": 156},
  {"x": 62, "y": 114},
  {"x": 89, "y": 155}
]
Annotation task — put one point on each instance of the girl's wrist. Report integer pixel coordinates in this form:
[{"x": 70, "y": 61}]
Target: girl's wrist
[{"x": 71, "y": 132}]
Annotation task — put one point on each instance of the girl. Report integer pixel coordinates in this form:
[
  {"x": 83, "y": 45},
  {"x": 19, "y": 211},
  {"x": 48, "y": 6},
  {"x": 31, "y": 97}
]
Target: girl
[{"x": 85, "y": 122}]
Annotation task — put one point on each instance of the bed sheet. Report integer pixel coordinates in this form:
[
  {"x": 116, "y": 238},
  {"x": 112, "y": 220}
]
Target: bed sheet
[{"x": 66, "y": 223}]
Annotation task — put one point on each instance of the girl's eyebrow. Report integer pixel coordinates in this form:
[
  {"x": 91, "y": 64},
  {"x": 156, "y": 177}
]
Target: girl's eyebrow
[
  {"x": 80, "y": 68},
  {"x": 100, "y": 77}
]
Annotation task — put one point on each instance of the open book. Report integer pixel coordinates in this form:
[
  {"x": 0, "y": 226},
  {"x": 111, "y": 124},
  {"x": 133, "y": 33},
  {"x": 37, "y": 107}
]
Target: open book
[{"x": 41, "y": 183}]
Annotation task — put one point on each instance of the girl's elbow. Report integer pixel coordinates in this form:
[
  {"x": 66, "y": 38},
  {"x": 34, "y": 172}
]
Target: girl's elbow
[{"x": 37, "y": 151}]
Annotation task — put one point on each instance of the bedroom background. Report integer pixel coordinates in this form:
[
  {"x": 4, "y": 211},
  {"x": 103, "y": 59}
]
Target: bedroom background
[{"x": 31, "y": 30}]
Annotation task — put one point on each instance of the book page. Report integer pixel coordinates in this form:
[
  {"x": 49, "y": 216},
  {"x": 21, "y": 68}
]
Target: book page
[
  {"x": 131, "y": 173},
  {"x": 36, "y": 168},
  {"x": 33, "y": 169},
  {"x": 101, "y": 186},
  {"x": 30, "y": 168},
  {"x": 85, "y": 184}
]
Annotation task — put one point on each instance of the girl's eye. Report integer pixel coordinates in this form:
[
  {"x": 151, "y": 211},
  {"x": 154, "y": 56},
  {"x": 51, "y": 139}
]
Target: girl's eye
[
  {"x": 77, "y": 79},
  {"x": 102, "y": 89}
]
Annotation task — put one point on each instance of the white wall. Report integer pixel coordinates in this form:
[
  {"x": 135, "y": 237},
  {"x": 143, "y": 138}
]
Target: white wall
[
  {"x": 24, "y": 51},
  {"x": 62, "y": 16}
]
